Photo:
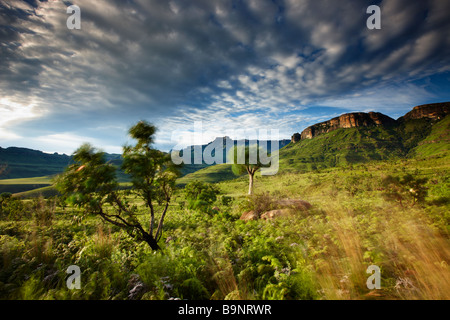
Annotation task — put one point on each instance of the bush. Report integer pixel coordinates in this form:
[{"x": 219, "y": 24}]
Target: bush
[
  {"x": 407, "y": 188},
  {"x": 201, "y": 195},
  {"x": 226, "y": 200},
  {"x": 193, "y": 289},
  {"x": 259, "y": 203}
]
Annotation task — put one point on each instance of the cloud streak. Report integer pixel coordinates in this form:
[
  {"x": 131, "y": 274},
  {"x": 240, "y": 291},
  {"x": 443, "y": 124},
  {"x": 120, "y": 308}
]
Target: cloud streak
[{"x": 229, "y": 63}]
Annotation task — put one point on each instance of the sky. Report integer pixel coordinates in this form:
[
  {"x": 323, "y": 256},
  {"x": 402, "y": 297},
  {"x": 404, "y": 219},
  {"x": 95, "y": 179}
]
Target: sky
[{"x": 230, "y": 65}]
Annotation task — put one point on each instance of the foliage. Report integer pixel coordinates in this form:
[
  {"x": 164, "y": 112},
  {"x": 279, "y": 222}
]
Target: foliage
[
  {"x": 321, "y": 253},
  {"x": 405, "y": 188},
  {"x": 201, "y": 195},
  {"x": 198, "y": 190},
  {"x": 91, "y": 183}
]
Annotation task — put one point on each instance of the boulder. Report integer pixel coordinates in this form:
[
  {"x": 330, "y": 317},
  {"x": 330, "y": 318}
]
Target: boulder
[
  {"x": 275, "y": 214},
  {"x": 294, "y": 204},
  {"x": 283, "y": 208},
  {"x": 249, "y": 215},
  {"x": 296, "y": 137}
]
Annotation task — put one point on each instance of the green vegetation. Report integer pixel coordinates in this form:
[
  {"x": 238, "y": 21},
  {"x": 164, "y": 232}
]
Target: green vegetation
[
  {"x": 374, "y": 200},
  {"x": 342, "y": 147},
  {"x": 26, "y": 163},
  {"x": 211, "y": 174},
  {"x": 91, "y": 184},
  {"x": 201, "y": 195},
  {"x": 321, "y": 253},
  {"x": 243, "y": 163}
]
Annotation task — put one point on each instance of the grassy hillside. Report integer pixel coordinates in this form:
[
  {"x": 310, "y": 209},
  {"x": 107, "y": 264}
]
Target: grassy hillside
[
  {"x": 417, "y": 138},
  {"x": 26, "y": 163},
  {"x": 342, "y": 147},
  {"x": 211, "y": 174},
  {"x": 436, "y": 143},
  {"x": 24, "y": 184},
  {"x": 26, "y": 181},
  {"x": 322, "y": 253}
]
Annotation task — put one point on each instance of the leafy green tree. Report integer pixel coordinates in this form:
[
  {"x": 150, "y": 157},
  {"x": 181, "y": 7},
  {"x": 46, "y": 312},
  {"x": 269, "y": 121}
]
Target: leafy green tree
[
  {"x": 91, "y": 183},
  {"x": 247, "y": 160}
]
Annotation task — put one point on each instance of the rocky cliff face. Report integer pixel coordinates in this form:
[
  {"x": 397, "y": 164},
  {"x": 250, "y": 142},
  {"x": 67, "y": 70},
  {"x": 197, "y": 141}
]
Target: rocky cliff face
[
  {"x": 295, "y": 137},
  {"x": 348, "y": 120},
  {"x": 434, "y": 111}
]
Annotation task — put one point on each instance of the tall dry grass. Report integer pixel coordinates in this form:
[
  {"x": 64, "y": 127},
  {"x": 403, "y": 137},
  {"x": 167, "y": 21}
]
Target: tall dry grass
[{"x": 413, "y": 255}]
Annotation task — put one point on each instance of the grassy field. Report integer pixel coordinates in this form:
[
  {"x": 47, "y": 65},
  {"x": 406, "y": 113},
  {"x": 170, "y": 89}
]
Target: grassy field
[
  {"x": 321, "y": 253},
  {"x": 24, "y": 184},
  {"x": 212, "y": 174},
  {"x": 362, "y": 212}
]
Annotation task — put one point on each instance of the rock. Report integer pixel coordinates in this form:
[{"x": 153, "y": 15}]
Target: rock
[
  {"x": 434, "y": 111},
  {"x": 275, "y": 214},
  {"x": 137, "y": 287},
  {"x": 284, "y": 207},
  {"x": 296, "y": 137},
  {"x": 348, "y": 120},
  {"x": 249, "y": 215},
  {"x": 295, "y": 204}
]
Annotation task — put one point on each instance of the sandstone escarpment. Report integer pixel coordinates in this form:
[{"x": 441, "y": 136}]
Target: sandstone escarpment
[
  {"x": 348, "y": 120},
  {"x": 434, "y": 111},
  {"x": 295, "y": 137}
]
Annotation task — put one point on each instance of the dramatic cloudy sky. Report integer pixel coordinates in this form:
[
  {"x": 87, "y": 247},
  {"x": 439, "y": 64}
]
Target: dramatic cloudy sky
[{"x": 253, "y": 64}]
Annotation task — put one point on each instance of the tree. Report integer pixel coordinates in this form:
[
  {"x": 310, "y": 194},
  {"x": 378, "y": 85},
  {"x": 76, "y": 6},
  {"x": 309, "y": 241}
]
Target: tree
[
  {"x": 247, "y": 160},
  {"x": 91, "y": 183}
]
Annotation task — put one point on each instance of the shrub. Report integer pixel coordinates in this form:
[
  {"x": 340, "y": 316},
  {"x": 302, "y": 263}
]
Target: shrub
[
  {"x": 404, "y": 189},
  {"x": 226, "y": 200},
  {"x": 201, "y": 195},
  {"x": 193, "y": 289}
]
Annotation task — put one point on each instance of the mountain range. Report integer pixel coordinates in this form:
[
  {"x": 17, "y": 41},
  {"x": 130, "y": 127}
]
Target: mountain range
[
  {"x": 358, "y": 137},
  {"x": 350, "y": 138}
]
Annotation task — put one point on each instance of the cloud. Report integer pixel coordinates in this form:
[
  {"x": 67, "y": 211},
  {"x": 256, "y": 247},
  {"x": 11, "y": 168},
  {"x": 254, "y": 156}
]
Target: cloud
[{"x": 228, "y": 63}]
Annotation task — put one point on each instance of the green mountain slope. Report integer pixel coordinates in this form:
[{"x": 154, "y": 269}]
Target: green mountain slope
[
  {"x": 412, "y": 138},
  {"x": 210, "y": 174},
  {"x": 342, "y": 147},
  {"x": 436, "y": 143},
  {"x": 26, "y": 163}
]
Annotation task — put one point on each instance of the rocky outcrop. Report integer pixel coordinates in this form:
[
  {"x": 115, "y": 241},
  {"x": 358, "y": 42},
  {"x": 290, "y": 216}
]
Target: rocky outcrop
[
  {"x": 296, "y": 137},
  {"x": 433, "y": 111},
  {"x": 282, "y": 208},
  {"x": 348, "y": 120},
  {"x": 272, "y": 214},
  {"x": 249, "y": 215}
]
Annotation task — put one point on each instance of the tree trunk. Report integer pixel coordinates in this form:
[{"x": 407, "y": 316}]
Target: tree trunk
[
  {"x": 250, "y": 183},
  {"x": 151, "y": 242}
]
